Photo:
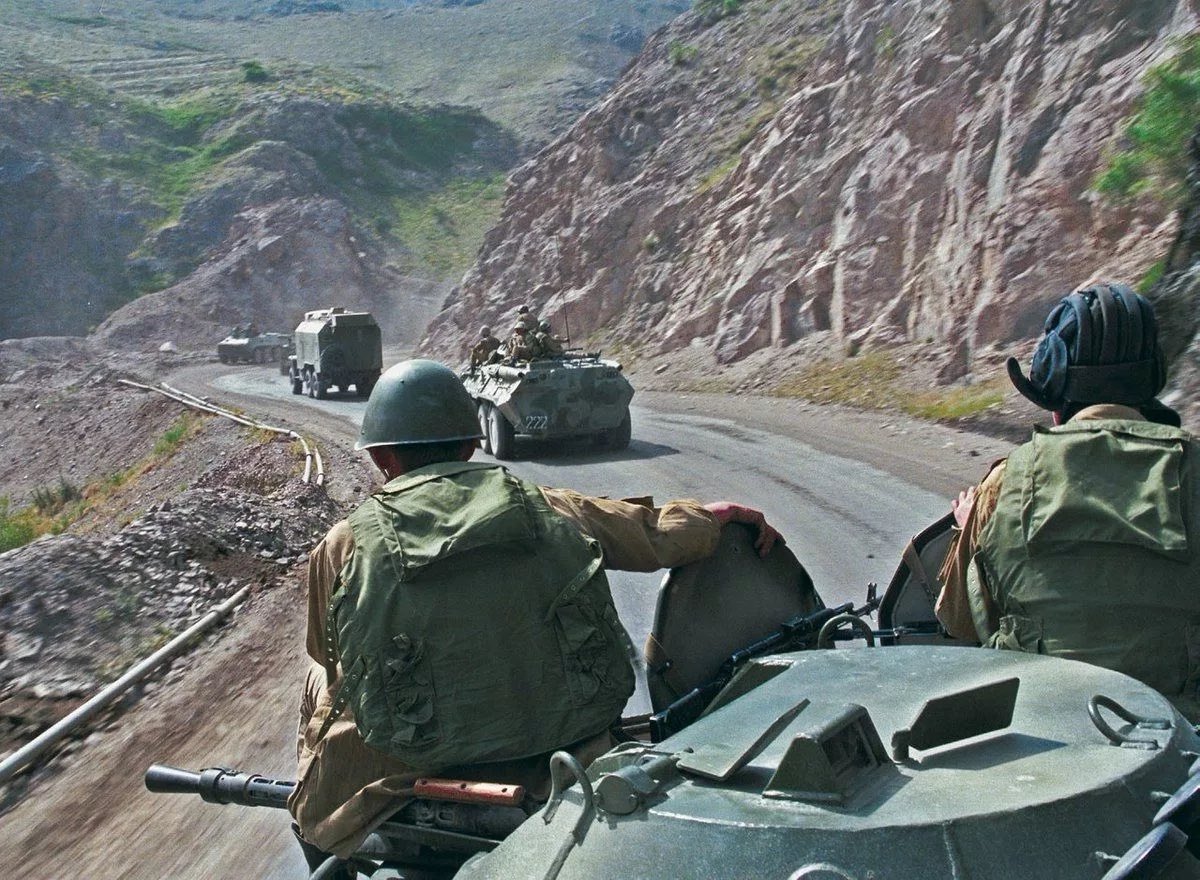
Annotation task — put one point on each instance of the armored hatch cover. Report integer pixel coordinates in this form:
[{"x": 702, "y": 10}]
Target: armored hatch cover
[
  {"x": 710, "y": 608},
  {"x": 881, "y": 763}
]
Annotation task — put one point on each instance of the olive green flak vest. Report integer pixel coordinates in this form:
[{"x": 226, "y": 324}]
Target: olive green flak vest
[
  {"x": 473, "y": 623},
  {"x": 1093, "y": 552}
]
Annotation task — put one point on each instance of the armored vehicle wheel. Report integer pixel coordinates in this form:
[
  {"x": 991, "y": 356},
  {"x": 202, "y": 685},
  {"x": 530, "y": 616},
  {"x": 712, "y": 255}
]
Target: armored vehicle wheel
[
  {"x": 619, "y": 437},
  {"x": 222, "y": 358},
  {"x": 485, "y": 443},
  {"x": 500, "y": 433},
  {"x": 260, "y": 356}
]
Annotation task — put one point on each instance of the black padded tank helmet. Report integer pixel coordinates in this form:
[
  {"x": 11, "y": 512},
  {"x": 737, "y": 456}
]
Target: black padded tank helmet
[{"x": 1100, "y": 346}]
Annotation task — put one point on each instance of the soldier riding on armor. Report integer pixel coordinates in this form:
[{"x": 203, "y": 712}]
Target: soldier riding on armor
[{"x": 1085, "y": 543}]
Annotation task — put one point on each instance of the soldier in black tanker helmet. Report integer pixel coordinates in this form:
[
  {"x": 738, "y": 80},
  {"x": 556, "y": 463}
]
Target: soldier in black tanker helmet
[
  {"x": 1085, "y": 543},
  {"x": 482, "y": 351},
  {"x": 457, "y": 571}
]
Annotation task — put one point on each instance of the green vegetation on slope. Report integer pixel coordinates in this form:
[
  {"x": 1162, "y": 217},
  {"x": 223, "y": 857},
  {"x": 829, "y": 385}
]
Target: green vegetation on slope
[
  {"x": 1154, "y": 158},
  {"x": 52, "y": 509},
  {"x": 444, "y": 229},
  {"x": 414, "y": 174},
  {"x": 876, "y": 381}
]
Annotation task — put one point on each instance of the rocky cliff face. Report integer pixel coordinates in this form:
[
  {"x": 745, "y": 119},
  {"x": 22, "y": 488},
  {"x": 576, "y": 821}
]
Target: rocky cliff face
[{"x": 860, "y": 173}]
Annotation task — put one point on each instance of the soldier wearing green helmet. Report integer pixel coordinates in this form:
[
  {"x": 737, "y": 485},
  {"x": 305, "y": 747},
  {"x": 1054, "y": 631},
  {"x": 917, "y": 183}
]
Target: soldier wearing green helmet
[
  {"x": 460, "y": 619},
  {"x": 520, "y": 345},
  {"x": 482, "y": 351},
  {"x": 1085, "y": 542}
]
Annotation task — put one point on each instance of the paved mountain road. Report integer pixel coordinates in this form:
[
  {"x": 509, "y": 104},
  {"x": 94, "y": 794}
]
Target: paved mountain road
[{"x": 847, "y": 490}]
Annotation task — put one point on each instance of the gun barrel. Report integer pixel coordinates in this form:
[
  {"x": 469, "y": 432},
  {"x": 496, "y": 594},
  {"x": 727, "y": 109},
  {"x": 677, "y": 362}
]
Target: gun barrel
[
  {"x": 220, "y": 786},
  {"x": 162, "y": 779}
]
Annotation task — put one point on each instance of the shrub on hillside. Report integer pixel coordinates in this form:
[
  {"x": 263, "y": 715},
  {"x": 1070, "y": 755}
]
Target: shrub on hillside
[
  {"x": 1155, "y": 155},
  {"x": 254, "y": 72},
  {"x": 711, "y": 11}
]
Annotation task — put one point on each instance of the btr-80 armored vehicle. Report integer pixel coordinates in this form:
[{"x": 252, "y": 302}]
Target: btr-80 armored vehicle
[
  {"x": 574, "y": 395},
  {"x": 916, "y": 761},
  {"x": 334, "y": 350},
  {"x": 247, "y": 346}
]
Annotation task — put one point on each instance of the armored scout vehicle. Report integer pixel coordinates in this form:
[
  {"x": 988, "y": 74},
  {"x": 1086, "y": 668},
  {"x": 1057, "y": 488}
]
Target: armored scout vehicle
[
  {"x": 335, "y": 349},
  {"x": 577, "y": 395},
  {"x": 243, "y": 347},
  {"x": 907, "y": 762}
]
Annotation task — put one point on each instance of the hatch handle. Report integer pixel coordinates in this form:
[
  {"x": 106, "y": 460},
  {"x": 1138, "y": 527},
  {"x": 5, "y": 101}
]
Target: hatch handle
[
  {"x": 1099, "y": 701},
  {"x": 563, "y": 767},
  {"x": 826, "y": 635}
]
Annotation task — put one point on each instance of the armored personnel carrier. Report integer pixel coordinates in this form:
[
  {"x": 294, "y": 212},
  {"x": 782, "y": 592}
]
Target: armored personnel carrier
[
  {"x": 334, "y": 349},
  {"x": 907, "y": 762},
  {"x": 244, "y": 347},
  {"x": 574, "y": 395}
]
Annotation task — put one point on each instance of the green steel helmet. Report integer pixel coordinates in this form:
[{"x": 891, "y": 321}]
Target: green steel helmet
[
  {"x": 522, "y": 324},
  {"x": 418, "y": 401},
  {"x": 485, "y": 332},
  {"x": 544, "y": 326}
]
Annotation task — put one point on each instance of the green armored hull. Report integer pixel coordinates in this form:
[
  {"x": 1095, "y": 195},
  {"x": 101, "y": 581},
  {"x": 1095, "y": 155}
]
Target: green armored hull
[
  {"x": 553, "y": 399},
  {"x": 903, "y": 762},
  {"x": 262, "y": 348}
]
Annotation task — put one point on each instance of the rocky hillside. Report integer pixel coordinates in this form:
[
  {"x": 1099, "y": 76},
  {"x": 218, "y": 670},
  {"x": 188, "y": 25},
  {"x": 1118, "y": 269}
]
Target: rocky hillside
[
  {"x": 253, "y": 202},
  {"x": 839, "y": 175},
  {"x": 532, "y": 66}
]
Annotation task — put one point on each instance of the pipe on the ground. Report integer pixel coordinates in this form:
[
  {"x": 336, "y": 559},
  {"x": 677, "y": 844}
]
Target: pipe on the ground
[
  {"x": 25, "y": 755},
  {"x": 310, "y": 454}
]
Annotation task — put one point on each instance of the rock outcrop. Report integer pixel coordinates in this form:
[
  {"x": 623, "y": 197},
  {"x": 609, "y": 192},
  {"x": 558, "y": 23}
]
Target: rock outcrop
[
  {"x": 874, "y": 172},
  {"x": 103, "y": 199},
  {"x": 278, "y": 261}
]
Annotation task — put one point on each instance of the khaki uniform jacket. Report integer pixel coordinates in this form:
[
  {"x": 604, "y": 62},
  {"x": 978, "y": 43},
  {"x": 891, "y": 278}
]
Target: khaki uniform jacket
[
  {"x": 345, "y": 788},
  {"x": 483, "y": 350}
]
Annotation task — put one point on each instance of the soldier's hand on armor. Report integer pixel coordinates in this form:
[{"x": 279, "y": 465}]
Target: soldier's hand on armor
[
  {"x": 962, "y": 506},
  {"x": 729, "y": 511}
]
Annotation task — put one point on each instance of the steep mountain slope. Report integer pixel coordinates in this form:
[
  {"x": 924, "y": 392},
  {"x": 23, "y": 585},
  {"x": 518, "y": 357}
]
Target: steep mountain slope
[
  {"x": 845, "y": 174},
  {"x": 104, "y": 197},
  {"x": 531, "y": 65}
]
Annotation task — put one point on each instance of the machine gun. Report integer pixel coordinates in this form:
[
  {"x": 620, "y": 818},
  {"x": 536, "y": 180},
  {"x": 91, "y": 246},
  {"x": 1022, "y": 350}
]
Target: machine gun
[
  {"x": 818, "y": 629},
  {"x": 446, "y": 823}
]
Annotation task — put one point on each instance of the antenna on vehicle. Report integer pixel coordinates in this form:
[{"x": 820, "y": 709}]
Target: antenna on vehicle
[{"x": 567, "y": 322}]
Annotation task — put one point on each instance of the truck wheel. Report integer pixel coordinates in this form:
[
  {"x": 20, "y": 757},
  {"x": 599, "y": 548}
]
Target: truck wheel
[
  {"x": 619, "y": 437},
  {"x": 500, "y": 433},
  {"x": 297, "y": 382},
  {"x": 321, "y": 386},
  {"x": 223, "y": 359},
  {"x": 486, "y": 442}
]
